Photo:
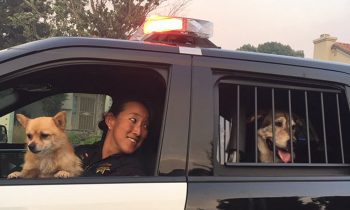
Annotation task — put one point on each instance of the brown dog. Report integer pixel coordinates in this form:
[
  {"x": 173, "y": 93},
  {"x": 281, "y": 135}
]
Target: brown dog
[
  {"x": 49, "y": 154},
  {"x": 281, "y": 139}
]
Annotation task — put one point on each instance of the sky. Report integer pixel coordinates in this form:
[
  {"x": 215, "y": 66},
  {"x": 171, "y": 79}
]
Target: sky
[{"x": 291, "y": 22}]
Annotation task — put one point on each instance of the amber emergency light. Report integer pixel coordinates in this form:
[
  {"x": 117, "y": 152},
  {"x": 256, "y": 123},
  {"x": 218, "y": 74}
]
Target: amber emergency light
[
  {"x": 163, "y": 24},
  {"x": 176, "y": 31}
]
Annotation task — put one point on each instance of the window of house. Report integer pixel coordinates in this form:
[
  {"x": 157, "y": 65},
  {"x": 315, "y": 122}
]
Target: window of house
[{"x": 290, "y": 124}]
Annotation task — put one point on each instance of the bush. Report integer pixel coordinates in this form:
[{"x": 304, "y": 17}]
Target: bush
[{"x": 83, "y": 137}]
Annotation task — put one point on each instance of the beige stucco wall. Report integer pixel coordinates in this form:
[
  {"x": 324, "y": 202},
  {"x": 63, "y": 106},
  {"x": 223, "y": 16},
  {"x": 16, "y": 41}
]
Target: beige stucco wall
[
  {"x": 323, "y": 50},
  {"x": 322, "y": 47},
  {"x": 340, "y": 56}
]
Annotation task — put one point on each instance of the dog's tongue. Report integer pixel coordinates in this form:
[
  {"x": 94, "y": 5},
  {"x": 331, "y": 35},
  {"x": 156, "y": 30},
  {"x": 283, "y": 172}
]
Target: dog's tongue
[{"x": 285, "y": 156}]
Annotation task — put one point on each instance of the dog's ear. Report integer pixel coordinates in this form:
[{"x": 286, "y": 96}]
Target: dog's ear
[
  {"x": 60, "y": 120},
  {"x": 259, "y": 118},
  {"x": 252, "y": 118},
  {"x": 299, "y": 122},
  {"x": 22, "y": 119}
]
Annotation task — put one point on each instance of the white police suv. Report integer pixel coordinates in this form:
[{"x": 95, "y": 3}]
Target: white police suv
[{"x": 212, "y": 109}]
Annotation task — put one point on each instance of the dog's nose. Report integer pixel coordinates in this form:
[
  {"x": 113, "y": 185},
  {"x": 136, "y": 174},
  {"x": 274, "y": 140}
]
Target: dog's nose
[{"x": 32, "y": 148}]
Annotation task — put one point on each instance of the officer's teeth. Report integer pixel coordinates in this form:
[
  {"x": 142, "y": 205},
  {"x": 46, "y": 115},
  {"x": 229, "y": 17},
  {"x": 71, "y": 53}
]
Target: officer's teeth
[{"x": 132, "y": 140}]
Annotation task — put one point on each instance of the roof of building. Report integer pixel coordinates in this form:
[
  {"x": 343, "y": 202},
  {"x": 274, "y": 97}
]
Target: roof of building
[{"x": 342, "y": 46}]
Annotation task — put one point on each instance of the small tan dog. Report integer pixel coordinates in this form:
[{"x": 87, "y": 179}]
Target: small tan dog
[
  {"x": 281, "y": 138},
  {"x": 49, "y": 154}
]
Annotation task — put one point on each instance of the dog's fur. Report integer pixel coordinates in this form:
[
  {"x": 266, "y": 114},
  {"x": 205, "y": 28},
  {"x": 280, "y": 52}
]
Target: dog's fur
[
  {"x": 49, "y": 152},
  {"x": 281, "y": 137}
]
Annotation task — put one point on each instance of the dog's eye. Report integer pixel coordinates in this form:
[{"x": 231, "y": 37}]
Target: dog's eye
[
  {"x": 29, "y": 136},
  {"x": 278, "y": 124},
  {"x": 44, "y": 135}
]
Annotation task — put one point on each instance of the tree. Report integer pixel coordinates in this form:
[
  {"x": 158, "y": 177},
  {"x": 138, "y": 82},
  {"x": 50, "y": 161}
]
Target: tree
[
  {"x": 101, "y": 18},
  {"x": 27, "y": 20},
  {"x": 273, "y": 48},
  {"x": 171, "y": 7},
  {"x": 23, "y": 21},
  {"x": 248, "y": 47}
]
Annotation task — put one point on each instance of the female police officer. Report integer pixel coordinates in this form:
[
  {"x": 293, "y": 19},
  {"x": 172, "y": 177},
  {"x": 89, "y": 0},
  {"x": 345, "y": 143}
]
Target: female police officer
[{"x": 125, "y": 127}]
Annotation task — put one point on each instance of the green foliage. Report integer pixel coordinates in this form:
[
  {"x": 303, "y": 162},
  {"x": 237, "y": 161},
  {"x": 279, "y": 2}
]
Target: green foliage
[
  {"x": 273, "y": 48},
  {"x": 101, "y": 18},
  {"x": 22, "y": 21},
  {"x": 248, "y": 47},
  {"x": 81, "y": 137}
]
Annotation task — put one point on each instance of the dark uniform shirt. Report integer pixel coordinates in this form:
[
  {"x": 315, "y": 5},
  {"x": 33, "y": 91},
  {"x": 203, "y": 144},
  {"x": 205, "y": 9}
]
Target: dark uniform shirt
[{"x": 114, "y": 165}]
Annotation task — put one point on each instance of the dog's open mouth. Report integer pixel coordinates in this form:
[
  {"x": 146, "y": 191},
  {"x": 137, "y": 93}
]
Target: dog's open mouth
[{"x": 283, "y": 154}]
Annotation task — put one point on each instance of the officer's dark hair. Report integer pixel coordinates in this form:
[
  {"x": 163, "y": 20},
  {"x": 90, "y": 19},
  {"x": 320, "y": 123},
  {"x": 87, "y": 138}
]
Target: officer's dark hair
[{"x": 119, "y": 106}]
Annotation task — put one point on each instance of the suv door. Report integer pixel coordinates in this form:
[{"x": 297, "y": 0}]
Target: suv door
[
  {"x": 82, "y": 72},
  {"x": 225, "y": 171}
]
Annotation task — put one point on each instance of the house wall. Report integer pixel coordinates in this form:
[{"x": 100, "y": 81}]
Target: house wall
[{"x": 323, "y": 50}]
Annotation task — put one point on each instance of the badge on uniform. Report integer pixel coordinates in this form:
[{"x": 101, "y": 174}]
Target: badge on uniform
[{"x": 103, "y": 168}]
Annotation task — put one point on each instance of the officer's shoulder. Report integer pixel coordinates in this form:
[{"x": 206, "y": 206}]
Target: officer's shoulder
[{"x": 88, "y": 148}]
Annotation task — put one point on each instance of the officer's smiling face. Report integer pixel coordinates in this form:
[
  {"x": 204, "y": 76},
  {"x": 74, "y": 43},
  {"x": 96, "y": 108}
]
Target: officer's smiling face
[{"x": 129, "y": 128}]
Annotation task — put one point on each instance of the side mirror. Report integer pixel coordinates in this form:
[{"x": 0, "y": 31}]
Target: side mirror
[{"x": 3, "y": 134}]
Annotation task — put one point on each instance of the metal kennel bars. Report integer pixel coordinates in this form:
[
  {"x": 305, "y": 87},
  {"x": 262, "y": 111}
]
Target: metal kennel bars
[{"x": 321, "y": 141}]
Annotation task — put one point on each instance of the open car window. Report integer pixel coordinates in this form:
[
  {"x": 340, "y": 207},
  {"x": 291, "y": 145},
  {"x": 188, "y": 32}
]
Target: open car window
[
  {"x": 85, "y": 93},
  {"x": 83, "y": 114}
]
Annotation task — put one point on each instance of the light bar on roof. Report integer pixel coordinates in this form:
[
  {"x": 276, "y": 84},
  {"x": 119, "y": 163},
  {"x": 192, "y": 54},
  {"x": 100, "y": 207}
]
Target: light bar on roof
[
  {"x": 163, "y": 24},
  {"x": 166, "y": 24}
]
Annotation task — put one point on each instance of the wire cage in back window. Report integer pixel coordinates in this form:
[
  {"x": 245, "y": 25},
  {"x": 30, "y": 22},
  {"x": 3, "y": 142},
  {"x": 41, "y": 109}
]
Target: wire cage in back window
[{"x": 285, "y": 125}]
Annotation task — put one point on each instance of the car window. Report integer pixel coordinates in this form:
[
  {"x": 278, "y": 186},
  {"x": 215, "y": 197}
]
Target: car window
[
  {"x": 85, "y": 101},
  {"x": 282, "y": 124},
  {"x": 83, "y": 113}
]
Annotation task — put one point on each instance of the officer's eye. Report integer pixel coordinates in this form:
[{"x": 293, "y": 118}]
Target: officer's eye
[
  {"x": 29, "y": 136},
  {"x": 132, "y": 119}
]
